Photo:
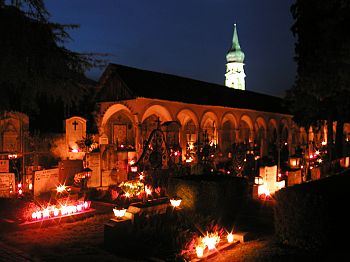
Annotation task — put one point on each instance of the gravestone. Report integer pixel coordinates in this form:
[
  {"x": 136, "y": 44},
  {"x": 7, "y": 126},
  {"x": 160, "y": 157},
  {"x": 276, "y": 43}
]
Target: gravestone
[
  {"x": 45, "y": 180},
  {"x": 6, "y": 181},
  {"x": 93, "y": 162},
  {"x": 68, "y": 169},
  {"x": 269, "y": 175},
  {"x": 294, "y": 177},
  {"x": 4, "y": 166},
  {"x": 75, "y": 131},
  {"x": 315, "y": 173},
  {"x": 14, "y": 126}
]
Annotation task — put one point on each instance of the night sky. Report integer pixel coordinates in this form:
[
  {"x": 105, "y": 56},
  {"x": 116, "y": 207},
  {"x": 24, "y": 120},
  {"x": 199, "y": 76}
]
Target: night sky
[{"x": 188, "y": 38}]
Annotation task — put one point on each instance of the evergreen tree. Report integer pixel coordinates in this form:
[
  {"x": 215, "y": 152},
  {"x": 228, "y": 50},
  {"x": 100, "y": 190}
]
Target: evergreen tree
[
  {"x": 37, "y": 72},
  {"x": 322, "y": 86}
]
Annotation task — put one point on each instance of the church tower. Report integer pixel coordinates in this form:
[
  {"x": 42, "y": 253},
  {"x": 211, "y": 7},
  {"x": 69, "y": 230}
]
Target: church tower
[{"x": 234, "y": 67}]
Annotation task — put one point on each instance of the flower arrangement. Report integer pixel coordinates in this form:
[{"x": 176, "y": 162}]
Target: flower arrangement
[{"x": 132, "y": 187}]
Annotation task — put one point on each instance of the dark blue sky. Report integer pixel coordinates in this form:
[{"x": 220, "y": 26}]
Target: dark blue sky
[{"x": 188, "y": 38}]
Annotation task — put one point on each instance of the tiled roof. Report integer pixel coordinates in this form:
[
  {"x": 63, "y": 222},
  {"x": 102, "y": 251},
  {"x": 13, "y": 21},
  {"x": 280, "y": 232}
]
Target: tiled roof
[{"x": 149, "y": 84}]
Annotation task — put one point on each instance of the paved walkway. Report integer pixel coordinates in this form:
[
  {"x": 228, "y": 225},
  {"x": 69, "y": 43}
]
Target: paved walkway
[{"x": 9, "y": 254}]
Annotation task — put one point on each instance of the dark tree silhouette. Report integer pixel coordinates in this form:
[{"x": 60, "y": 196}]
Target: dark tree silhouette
[
  {"x": 37, "y": 72},
  {"x": 322, "y": 86}
]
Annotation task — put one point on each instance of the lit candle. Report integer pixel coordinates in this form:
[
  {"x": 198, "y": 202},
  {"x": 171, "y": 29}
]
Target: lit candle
[
  {"x": 199, "y": 251},
  {"x": 230, "y": 238}
]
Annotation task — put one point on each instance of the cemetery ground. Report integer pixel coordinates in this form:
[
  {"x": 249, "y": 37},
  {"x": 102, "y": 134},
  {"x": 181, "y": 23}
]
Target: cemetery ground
[{"x": 84, "y": 241}]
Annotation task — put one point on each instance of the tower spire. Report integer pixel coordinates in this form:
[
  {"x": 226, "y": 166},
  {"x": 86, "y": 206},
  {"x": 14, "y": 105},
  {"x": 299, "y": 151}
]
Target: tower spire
[
  {"x": 235, "y": 54},
  {"x": 234, "y": 67},
  {"x": 235, "y": 42}
]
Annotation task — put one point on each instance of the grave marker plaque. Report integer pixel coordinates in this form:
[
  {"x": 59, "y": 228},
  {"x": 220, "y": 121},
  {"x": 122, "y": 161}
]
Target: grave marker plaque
[
  {"x": 6, "y": 180},
  {"x": 294, "y": 177},
  {"x": 4, "y": 166},
  {"x": 45, "y": 180}
]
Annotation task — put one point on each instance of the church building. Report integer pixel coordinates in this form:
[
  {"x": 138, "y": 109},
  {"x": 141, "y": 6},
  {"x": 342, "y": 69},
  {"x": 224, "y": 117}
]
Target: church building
[{"x": 191, "y": 113}]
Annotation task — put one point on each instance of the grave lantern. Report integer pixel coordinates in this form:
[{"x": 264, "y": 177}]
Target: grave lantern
[
  {"x": 294, "y": 162},
  {"x": 119, "y": 212},
  {"x": 199, "y": 251},
  {"x": 133, "y": 169},
  {"x": 87, "y": 172},
  {"x": 230, "y": 237},
  {"x": 175, "y": 202},
  {"x": 258, "y": 180}
]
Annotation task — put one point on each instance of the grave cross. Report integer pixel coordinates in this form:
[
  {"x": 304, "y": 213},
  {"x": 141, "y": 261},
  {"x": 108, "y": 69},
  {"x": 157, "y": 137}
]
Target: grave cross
[
  {"x": 75, "y": 123},
  {"x": 158, "y": 122}
]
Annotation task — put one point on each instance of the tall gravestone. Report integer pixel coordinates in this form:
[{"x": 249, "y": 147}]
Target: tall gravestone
[
  {"x": 93, "y": 161},
  {"x": 269, "y": 175},
  {"x": 13, "y": 127},
  {"x": 75, "y": 131}
]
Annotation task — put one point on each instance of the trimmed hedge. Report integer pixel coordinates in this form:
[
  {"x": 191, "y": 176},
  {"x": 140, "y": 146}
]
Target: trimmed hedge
[
  {"x": 215, "y": 195},
  {"x": 313, "y": 215}
]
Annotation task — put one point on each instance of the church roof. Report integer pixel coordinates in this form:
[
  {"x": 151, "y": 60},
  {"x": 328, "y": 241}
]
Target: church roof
[{"x": 120, "y": 82}]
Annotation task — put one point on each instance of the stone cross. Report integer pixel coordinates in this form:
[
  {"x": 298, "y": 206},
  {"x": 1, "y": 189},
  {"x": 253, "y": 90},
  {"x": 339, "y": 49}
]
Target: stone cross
[{"x": 75, "y": 123}]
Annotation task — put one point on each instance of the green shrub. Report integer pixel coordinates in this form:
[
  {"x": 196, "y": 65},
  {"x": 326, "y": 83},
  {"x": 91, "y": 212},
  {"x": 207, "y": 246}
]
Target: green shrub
[
  {"x": 313, "y": 215},
  {"x": 216, "y": 195}
]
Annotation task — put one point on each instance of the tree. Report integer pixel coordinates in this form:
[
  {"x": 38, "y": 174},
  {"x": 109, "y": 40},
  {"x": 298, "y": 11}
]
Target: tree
[
  {"x": 36, "y": 69},
  {"x": 322, "y": 86}
]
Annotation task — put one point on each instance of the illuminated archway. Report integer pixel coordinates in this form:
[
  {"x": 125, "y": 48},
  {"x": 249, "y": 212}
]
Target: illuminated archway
[
  {"x": 246, "y": 129},
  {"x": 159, "y": 111},
  {"x": 272, "y": 138},
  {"x": 228, "y": 132},
  {"x": 189, "y": 132},
  {"x": 260, "y": 137},
  {"x": 112, "y": 110},
  {"x": 209, "y": 125}
]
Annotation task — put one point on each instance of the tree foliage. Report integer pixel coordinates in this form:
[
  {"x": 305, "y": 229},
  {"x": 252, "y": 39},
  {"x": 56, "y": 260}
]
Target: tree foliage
[
  {"x": 322, "y": 86},
  {"x": 34, "y": 64}
]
